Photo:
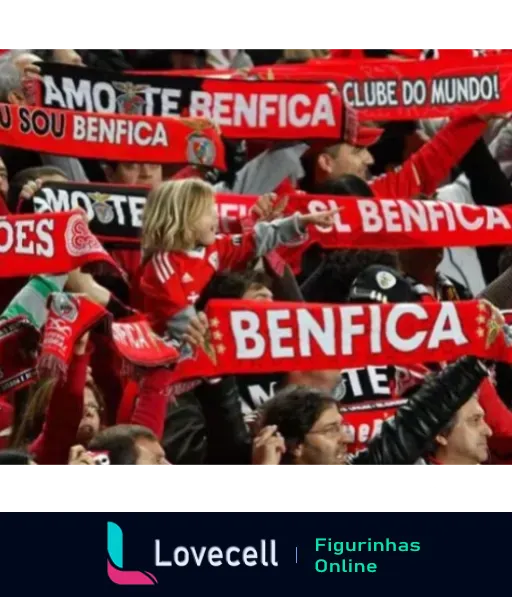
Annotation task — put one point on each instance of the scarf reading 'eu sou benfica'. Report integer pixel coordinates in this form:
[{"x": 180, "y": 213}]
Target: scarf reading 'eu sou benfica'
[
  {"x": 256, "y": 337},
  {"x": 243, "y": 109},
  {"x": 412, "y": 89},
  {"x": 114, "y": 212},
  {"x": 48, "y": 244},
  {"x": 123, "y": 138}
]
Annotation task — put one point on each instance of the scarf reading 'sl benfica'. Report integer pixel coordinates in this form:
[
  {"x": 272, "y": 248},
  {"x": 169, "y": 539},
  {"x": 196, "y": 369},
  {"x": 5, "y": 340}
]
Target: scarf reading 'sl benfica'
[
  {"x": 48, "y": 244},
  {"x": 258, "y": 337},
  {"x": 123, "y": 138},
  {"x": 115, "y": 213},
  {"x": 243, "y": 109}
]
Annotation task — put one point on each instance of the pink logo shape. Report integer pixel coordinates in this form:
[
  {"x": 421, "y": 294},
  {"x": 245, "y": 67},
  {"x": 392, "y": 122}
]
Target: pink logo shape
[{"x": 115, "y": 561}]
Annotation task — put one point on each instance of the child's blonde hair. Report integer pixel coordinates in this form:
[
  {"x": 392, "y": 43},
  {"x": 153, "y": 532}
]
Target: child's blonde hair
[{"x": 171, "y": 212}]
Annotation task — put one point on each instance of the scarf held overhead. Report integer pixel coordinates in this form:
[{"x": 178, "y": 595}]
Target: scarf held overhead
[
  {"x": 412, "y": 89},
  {"x": 251, "y": 336},
  {"x": 114, "y": 212},
  {"x": 48, "y": 244},
  {"x": 113, "y": 137},
  {"x": 243, "y": 109}
]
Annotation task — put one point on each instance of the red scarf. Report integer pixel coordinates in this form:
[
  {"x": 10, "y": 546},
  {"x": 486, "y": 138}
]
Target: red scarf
[
  {"x": 48, "y": 244},
  {"x": 113, "y": 137},
  {"x": 18, "y": 345},
  {"x": 255, "y": 337}
]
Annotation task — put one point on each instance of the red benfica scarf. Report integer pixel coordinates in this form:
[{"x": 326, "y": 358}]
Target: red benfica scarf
[
  {"x": 255, "y": 337},
  {"x": 387, "y": 223},
  {"x": 111, "y": 136},
  {"x": 69, "y": 318},
  {"x": 413, "y": 89},
  {"x": 48, "y": 244}
]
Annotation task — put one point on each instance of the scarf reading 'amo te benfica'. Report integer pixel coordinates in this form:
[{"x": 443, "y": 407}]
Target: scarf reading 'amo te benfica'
[{"x": 243, "y": 109}]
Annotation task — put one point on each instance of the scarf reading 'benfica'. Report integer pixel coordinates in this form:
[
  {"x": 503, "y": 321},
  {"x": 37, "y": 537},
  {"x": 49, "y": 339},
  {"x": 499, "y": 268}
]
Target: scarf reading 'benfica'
[
  {"x": 112, "y": 137},
  {"x": 48, "y": 244},
  {"x": 256, "y": 337},
  {"x": 243, "y": 109}
]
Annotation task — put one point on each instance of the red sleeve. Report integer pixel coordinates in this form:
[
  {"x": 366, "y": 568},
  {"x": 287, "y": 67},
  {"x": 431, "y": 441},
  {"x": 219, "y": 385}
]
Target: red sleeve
[
  {"x": 162, "y": 291},
  {"x": 235, "y": 250},
  {"x": 497, "y": 416},
  {"x": 425, "y": 170},
  {"x": 63, "y": 416},
  {"x": 151, "y": 403}
]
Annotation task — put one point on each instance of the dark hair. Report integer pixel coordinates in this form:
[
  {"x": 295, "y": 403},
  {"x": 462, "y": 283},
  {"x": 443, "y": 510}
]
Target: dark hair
[
  {"x": 119, "y": 442},
  {"x": 331, "y": 282},
  {"x": 23, "y": 176},
  {"x": 232, "y": 285},
  {"x": 346, "y": 185},
  {"x": 14, "y": 457},
  {"x": 295, "y": 410},
  {"x": 505, "y": 260}
]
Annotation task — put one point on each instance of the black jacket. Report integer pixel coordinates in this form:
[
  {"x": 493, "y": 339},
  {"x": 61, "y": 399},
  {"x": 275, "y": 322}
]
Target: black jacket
[{"x": 216, "y": 433}]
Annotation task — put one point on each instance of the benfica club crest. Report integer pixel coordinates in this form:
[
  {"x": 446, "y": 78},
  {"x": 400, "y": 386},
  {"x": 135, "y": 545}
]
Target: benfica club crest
[
  {"x": 130, "y": 102},
  {"x": 103, "y": 210},
  {"x": 200, "y": 149},
  {"x": 64, "y": 307}
]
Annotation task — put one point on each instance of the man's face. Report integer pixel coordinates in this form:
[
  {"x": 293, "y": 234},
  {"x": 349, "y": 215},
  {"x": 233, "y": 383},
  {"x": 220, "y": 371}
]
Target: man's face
[
  {"x": 68, "y": 57},
  {"x": 150, "y": 452},
  {"x": 4, "y": 182},
  {"x": 132, "y": 173},
  {"x": 90, "y": 423},
  {"x": 346, "y": 159},
  {"x": 467, "y": 442},
  {"x": 326, "y": 443}
]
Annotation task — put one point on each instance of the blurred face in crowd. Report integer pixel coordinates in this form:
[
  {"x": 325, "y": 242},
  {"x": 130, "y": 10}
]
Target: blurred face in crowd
[
  {"x": 206, "y": 226},
  {"x": 149, "y": 452},
  {"x": 326, "y": 442},
  {"x": 4, "y": 183},
  {"x": 68, "y": 57},
  {"x": 90, "y": 423},
  {"x": 132, "y": 173},
  {"x": 342, "y": 159},
  {"x": 183, "y": 60},
  {"x": 467, "y": 441}
]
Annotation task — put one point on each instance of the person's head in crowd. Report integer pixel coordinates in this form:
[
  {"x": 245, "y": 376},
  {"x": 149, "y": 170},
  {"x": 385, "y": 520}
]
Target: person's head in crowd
[
  {"x": 311, "y": 425},
  {"x": 332, "y": 280},
  {"x": 249, "y": 285},
  {"x": 28, "y": 175},
  {"x": 15, "y": 457},
  {"x": 133, "y": 173},
  {"x": 298, "y": 56},
  {"x": 34, "y": 414},
  {"x": 350, "y": 156},
  {"x": 129, "y": 444},
  {"x": 71, "y": 57},
  {"x": 4, "y": 180},
  {"x": 465, "y": 439},
  {"x": 11, "y": 85},
  {"x": 179, "y": 216},
  {"x": 187, "y": 59}
]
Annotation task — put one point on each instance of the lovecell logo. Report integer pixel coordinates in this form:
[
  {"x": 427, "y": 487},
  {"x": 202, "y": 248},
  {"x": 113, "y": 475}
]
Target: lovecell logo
[{"x": 115, "y": 570}]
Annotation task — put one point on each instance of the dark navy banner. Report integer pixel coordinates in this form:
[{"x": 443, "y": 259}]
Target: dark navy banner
[{"x": 254, "y": 554}]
